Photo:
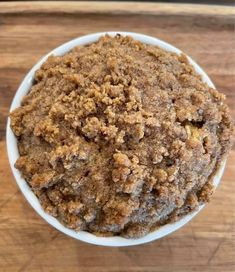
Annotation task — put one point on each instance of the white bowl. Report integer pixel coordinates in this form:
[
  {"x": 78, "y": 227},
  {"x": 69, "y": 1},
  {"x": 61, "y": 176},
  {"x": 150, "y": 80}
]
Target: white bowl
[{"x": 13, "y": 153}]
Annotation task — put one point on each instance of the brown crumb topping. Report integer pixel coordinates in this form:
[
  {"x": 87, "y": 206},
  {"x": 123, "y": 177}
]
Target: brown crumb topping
[{"x": 118, "y": 137}]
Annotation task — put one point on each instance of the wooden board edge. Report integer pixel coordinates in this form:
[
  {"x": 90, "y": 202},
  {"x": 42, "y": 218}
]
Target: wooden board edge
[{"x": 73, "y": 7}]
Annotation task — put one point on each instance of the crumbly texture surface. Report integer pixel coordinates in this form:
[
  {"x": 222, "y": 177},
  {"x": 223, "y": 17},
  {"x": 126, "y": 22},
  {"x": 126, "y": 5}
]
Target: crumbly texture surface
[{"x": 119, "y": 137}]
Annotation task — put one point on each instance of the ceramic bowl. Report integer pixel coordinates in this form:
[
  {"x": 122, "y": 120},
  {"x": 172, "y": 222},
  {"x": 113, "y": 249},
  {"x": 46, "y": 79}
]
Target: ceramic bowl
[{"x": 13, "y": 153}]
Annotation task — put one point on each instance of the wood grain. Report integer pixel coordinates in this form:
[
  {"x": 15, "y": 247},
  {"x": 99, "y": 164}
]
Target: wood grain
[
  {"x": 115, "y": 8},
  {"x": 27, "y": 32}
]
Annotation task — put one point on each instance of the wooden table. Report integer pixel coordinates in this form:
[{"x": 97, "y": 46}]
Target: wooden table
[{"x": 28, "y": 31}]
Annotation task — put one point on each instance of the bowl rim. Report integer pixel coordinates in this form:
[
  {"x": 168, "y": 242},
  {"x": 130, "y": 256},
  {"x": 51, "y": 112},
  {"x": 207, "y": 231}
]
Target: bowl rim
[{"x": 13, "y": 153}]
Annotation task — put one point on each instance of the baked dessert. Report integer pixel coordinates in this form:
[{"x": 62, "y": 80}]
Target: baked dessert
[{"x": 119, "y": 137}]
